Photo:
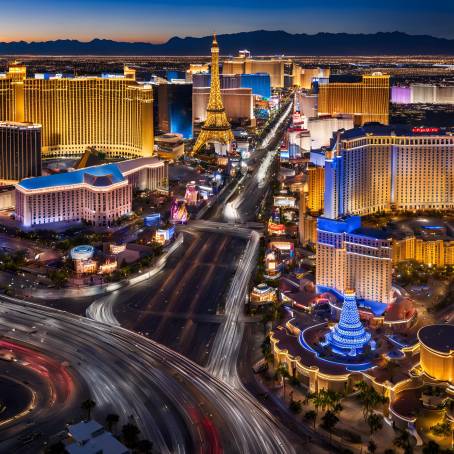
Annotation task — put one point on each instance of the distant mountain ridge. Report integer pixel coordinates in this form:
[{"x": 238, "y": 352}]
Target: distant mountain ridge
[{"x": 260, "y": 42}]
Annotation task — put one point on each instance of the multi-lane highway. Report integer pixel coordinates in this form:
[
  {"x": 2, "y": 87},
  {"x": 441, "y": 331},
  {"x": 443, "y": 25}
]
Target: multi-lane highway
[{"x": 177, "y": 404}]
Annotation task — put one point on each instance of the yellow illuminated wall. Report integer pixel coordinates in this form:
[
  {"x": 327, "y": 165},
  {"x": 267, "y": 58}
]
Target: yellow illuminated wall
[
  {"x": 430, "y": 252},
  {"x": 114, "y": 115},
  {"x": 241, "y": 65},
  {"x": 316, "y": 188},
  {"x": 436, "y": 364},
  {"x": 368, "y": 100}
]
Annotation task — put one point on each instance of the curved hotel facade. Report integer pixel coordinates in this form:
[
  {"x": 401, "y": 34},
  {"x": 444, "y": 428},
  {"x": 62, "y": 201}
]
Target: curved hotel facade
[
  {"x": 379, "y": 168},
  {"x": 112, "y": 114}
]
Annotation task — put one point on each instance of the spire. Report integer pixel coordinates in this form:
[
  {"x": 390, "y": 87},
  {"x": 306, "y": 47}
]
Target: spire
[
  {"x": 216, "y": 127},
  {"x": 348, "y": 336}
]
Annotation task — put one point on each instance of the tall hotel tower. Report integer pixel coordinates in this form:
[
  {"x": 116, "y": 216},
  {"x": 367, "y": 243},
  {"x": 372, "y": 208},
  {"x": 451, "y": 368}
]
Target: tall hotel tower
[
  {"x": 113, "y": 114},
  {"x": 367, "y": 100},
  {"x": 370, "y": 169},
  {"x": 20, "y": 151}
]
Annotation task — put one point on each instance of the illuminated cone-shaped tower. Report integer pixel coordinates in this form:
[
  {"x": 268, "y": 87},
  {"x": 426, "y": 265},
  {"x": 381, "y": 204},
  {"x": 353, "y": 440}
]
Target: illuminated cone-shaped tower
[
  {"x": 349, "y": 336},
  {"x": 216, "y": 127}
]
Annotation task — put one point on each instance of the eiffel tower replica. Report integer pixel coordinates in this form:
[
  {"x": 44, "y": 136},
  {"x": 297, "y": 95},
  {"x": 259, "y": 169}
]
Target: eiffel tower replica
[{"x": 216, "y": 127}]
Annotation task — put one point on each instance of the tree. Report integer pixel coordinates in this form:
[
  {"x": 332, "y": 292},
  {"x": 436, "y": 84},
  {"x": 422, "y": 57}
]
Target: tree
[
  {"x": 296, "y": 406},
  {"x": 442, "y": 429},
  {"x": 267, "y": 351},
  {"x": 372, "y": 446},
  {"x": 282, "y": 373},
  {"x": 375, "y": 422},
  {"x": 403, "y": 441},
  {"x": 130, "y": 434},
  {"x": 88, "y": 406},
  {"x": 144, "y": 447},
  {"x": 111, "y": 420},
  {"x": 329, "y": 420},
  {"x": 431, "y": 448},
  {"x": 311, "y": 417},
  {"x": 369, "y": 398}
]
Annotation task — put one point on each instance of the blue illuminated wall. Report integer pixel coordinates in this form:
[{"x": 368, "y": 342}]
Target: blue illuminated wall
[
  {"x": 175, "y": 109},
  {"x": 260, "y": 84}
]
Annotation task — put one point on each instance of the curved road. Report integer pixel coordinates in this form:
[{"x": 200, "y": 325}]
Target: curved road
[{"x": 177, "y": 404}]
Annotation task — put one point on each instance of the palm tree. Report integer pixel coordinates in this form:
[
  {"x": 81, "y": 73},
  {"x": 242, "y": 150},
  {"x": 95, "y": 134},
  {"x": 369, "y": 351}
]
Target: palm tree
[
  {"x": 371, "y": 447},
  {"x": 375, "y": 422},
  {"x": 329, "y": 421},
  {"x": 282, "y": 372},
  {"x": 311, "y": 416},
  {"x": 318, "y": 401},
  {"x": 369, "y": 398},
  {"x": 111, "y": 420},
  {"x": 88, "y": 406},
  {"x": 403, "y": 441},
  {"x": 130, "y": 434}
]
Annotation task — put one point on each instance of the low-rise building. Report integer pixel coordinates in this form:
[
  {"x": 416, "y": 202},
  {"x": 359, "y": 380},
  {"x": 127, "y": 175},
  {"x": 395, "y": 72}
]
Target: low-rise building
[
  {"x": 90, "y": 437},
  {"x": 98, "y": 195},
  {"x": 263, "y": 294}
]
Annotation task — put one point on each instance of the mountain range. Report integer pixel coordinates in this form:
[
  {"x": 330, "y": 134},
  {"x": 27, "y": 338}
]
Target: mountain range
[{"x": 260, "y": 42}]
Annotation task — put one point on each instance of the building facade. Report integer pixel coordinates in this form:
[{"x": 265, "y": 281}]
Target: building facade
[
  {"x": 244, "y": 64},
  {"x": 368, "y": 100},
  {"x": 98, "y": 195},
  {"x": 238, "y": 104},
  {"x": 436, "y": 348},
  {"x": 175, "y": 108},
  {"x": 112, "y": 114},
  {"x": 349, "y": 257},
  {"x": 377, "y": 168},
  {"x": 20, "y": 151}
]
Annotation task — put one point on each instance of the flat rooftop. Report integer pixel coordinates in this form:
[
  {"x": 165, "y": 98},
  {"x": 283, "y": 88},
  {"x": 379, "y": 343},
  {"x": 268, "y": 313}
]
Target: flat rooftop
[
  {"x": 377, "y": 129},
  {"x": 438, "y": 337}
]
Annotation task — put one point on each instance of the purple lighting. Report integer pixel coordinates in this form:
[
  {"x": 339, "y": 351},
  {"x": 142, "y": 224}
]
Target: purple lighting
[{"x": 401, "y": 95}]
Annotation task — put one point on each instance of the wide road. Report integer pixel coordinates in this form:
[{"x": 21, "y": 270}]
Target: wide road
[
  {"x": 182, "y": 307},
  {"x": 176, "y": 403}
]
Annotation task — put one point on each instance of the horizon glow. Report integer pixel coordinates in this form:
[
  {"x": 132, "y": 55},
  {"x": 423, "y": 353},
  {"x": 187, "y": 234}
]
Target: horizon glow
[{"x": 157, "y": 21}]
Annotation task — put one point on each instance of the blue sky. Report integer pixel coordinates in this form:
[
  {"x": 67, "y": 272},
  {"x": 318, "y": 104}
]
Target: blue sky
[{"x": 156, "y": 21}]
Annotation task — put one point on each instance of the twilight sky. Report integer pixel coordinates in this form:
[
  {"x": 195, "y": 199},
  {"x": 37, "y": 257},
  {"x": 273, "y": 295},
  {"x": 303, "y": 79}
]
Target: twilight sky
[{"x": 158, "y": 20}]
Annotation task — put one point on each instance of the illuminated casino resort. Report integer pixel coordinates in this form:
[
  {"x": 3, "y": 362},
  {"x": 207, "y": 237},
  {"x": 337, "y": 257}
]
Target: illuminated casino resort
[
  {"x": 375, "y": 196},
  {"x": 98, "y": 195},
  {"x": 112, "y": 113},
  {"x": 367, "y": 99}
]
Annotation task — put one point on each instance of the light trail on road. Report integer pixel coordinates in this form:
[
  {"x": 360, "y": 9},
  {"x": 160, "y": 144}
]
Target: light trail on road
[{"x": 126, "y": 370}]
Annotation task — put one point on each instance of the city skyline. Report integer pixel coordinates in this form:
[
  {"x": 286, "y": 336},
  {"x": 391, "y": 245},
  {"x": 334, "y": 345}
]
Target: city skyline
[{"x": 140, "y": 21}]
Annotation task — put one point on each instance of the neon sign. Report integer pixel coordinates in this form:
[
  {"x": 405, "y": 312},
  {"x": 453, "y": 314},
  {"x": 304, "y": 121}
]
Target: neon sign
[{"x": 425, "y": 130}]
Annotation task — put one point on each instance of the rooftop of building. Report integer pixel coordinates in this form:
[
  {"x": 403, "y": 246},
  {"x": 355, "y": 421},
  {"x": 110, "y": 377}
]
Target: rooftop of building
[
  {"x": 378, "y": 129},
  {"x": 90, "y": 437},
  {"x": 438, "y": 337},
  {"x": 103, "y": 175},
  {"x": 7, "y": 188},
  {"x": 19, "y": 125},
  {"x": 425, "y": 228},
  {"x": 131, "y": 165}
]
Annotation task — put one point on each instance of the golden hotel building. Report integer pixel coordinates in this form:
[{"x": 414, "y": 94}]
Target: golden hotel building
[
  {"x": 367, "y": 100},
  {"x": 112, "y": 114}
]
